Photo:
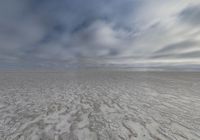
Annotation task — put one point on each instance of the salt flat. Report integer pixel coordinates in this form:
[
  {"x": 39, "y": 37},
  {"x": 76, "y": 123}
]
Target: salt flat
[{"x": 99, "y": 105}]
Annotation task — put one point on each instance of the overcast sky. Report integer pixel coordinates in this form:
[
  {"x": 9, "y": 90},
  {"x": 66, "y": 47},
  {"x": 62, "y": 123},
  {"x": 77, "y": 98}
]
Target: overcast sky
[{"x": 64, "y": 33}]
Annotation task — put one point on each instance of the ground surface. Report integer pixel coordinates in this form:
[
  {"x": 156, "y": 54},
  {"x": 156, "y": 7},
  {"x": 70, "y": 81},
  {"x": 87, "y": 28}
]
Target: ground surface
[{"x": 100, "y": 105}]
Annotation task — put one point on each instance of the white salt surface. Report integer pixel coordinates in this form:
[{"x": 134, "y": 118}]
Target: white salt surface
[{"x": 99, "y": 105}]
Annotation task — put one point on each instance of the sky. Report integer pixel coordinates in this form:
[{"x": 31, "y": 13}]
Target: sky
[{"x": 96, "y": 33}]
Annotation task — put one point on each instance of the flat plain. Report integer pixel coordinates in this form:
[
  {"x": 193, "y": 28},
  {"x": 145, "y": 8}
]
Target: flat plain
[{"x": 99, "y": 105}]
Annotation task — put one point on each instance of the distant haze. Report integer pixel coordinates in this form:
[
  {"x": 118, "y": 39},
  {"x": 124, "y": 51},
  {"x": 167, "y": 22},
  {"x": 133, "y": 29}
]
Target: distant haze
[{"x": 95, "y": 33}]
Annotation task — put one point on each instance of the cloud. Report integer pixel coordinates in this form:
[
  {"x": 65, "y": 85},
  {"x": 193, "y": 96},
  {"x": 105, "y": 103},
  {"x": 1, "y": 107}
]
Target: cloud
[
  {"x": 177, "y": 47},
  {"x": 191, "y": 15},
  {"x": 47, "y": 33}
]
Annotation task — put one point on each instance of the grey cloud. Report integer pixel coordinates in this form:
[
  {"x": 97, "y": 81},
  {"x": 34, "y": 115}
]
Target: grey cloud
[
  {"x": 178, "y": 50},
  {"x": 186, "y": 55},
  {"x": 30, "y": 28},
  {"x": 56, "y": 32},
  {"x": 177, "y": 47},
  {"x": 193, "y": 54},
  {"x": 191, "y": 15}
]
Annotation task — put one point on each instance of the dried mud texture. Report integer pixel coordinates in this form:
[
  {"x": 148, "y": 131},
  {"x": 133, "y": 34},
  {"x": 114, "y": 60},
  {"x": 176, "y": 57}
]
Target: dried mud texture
[{"x": 99, "y": 105}]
